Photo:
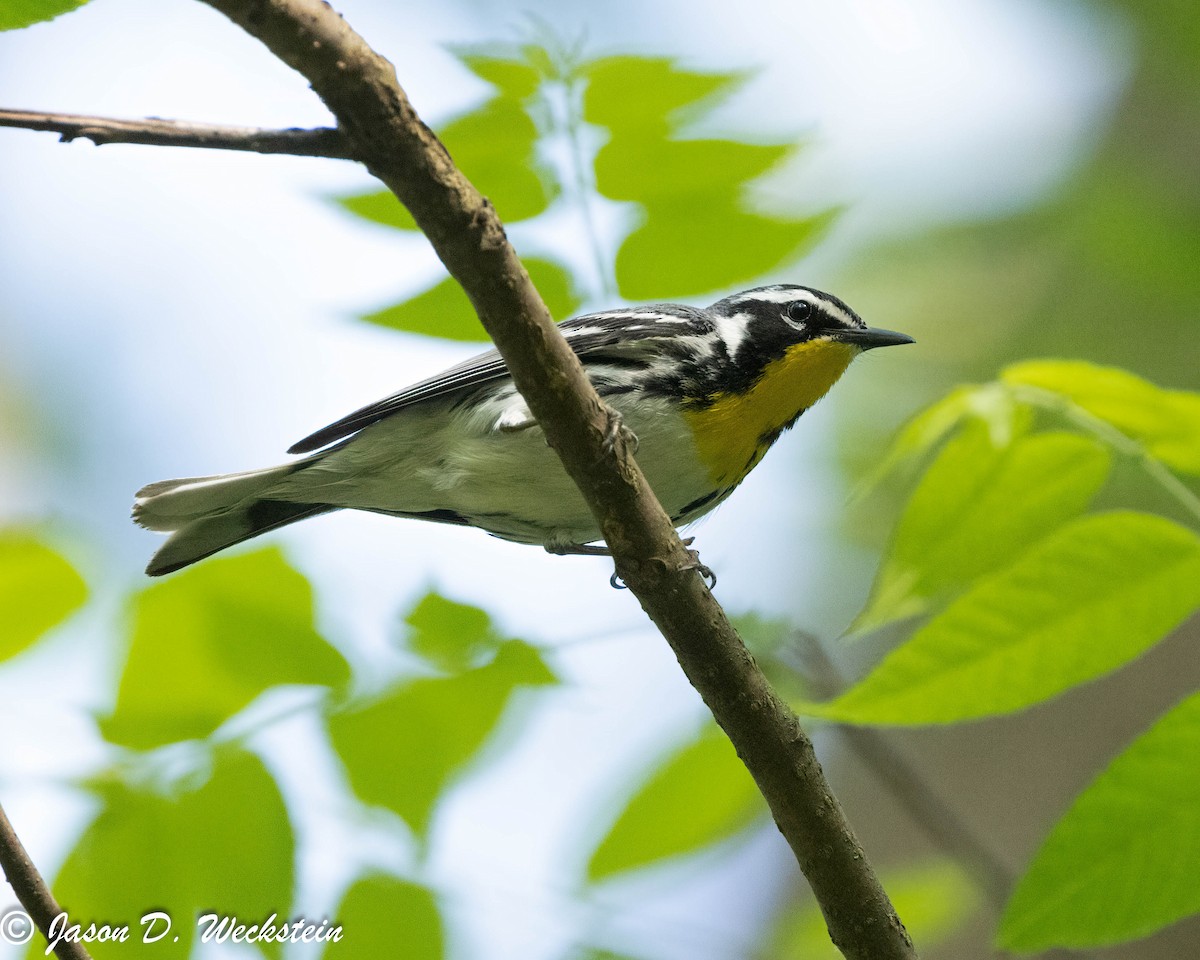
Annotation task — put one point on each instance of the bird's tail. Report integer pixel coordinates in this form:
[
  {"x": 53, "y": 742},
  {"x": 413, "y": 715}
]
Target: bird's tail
[{"x": 207, "y": 514}]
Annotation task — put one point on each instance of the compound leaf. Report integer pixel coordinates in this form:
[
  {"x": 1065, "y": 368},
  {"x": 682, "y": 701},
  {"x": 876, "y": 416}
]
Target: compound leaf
[
  {"x": 1165, "y": 422},
  {"x": 1088, "y": 598}
]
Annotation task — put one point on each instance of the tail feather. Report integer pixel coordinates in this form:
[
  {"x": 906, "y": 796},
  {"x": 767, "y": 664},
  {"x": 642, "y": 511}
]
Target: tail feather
[{"x": 208, "y": 514}]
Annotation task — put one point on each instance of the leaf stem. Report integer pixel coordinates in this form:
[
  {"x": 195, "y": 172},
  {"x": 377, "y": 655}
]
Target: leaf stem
[{"x": 1119, "y": 441}]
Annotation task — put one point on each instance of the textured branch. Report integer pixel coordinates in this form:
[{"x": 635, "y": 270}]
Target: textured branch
[
  {"x": 321, "y": 142},
  {"x": 32, "y": 891},
  {"x": 361, "y": 90}
]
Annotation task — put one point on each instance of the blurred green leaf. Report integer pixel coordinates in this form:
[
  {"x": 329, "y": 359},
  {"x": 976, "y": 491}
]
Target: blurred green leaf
[
  {"x": 976, "y": 508},
  {"x": 495, "y": 145},
  {"x": 1125, "y": 860},
  {"x": 725, "y": 246},
  {"x": 700, "y": 794},
  {"x": 451, "y": 636},
  {"x": 1090, "y": 597},
  {"x": 402, "y": 750},
  {"x": 444, "y": 311},
  {"x": 38, "y": 590},
  {"x": 385, "y": 917},
  {"x": 226, "y": 847},
  {"x": 378, "y": 206},
  {"x": 636, "y": 97},
  {"x": 933, "y": 901},
  {"x": 691, "y": 170},
  {"x": 23, "y": 13},
  {"x": 208, "y": 641},
  {"x": 1165, "y": 422},
  {"x": 516, "y": 79}
]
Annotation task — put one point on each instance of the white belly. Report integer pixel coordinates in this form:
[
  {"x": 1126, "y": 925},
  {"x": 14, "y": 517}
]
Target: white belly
[{"x": 441, "y": 461}]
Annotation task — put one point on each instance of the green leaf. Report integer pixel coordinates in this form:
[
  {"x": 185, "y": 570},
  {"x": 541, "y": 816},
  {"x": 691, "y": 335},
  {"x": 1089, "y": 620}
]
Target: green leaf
[
  {"x": 496, "y": 147},
  {"x": 402, "y": 750},
  {"x": 1125, "y": 860},
  {"x": 22, "y": 13},
  {"x": 38, "y": 590},
  {"x": 378, "y": 206},
  {"x": 1165, "y": 422},
  {"x": 725, "y": 246},
  {"x": 210, "y": 640},
  {"x": 516, "y": 79},
  {"x": 1090, "y": 597},
  {"x": 933, "y": 902},
  {"x": 444, "y": 311},
  {"x": 452, "y": 636},
  {"x": 385, "y": 917},
  {"x": 700, "y": 794},
  {"x": 226, "y": 847},
  {"x": 636, "y": 97},
  {"x": 686, "y": 169},
  {"x": 989, "y": 403},
  {"x": 978, "y": 507}
]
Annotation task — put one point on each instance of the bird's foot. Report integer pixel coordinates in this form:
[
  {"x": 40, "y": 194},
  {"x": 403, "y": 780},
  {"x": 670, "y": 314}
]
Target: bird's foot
[{"x": 617, "y": 431}]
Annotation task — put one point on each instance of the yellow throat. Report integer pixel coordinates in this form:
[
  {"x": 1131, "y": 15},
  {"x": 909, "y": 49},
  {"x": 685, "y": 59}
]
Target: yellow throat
[{"x": 733, "y": 433}]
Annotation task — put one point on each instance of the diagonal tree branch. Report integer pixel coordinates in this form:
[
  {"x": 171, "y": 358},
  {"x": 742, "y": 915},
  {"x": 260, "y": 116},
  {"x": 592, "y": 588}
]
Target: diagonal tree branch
[
  {"x": 153, "y": 131},
  {"x": 32, "y": 892},
  {"x": 373, "y": 112}
]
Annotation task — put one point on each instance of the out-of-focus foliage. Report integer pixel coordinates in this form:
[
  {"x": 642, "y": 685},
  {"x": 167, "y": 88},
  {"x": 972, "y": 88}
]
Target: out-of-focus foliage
[
  {"x": 697, "y": 796},
  {"x": 23, "y": 13},
  {"x": 202, "y": 826},
  {"x": 386, "y": 917},
  {"x": 223, "y": 846},
  {"x": 38, "y": 589},
  {"x": 675, "y": 185},
  {"x": 207, "y": 642},
  {"x": 402, "y": 750},
  {"x": 1027, "y": 596}
]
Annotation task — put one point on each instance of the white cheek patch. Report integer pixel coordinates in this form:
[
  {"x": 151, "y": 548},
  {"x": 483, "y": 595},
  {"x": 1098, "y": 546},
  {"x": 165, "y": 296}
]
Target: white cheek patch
[{"x": 732, "y": 330}]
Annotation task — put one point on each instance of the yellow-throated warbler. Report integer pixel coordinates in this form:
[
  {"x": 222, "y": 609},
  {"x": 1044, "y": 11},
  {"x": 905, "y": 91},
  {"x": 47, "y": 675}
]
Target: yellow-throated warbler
[{"x": 706, "y": 393}]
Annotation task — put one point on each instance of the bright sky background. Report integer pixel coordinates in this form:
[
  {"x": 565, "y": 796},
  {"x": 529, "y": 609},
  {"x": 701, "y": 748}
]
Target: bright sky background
[{"x": 173, "y": 313}]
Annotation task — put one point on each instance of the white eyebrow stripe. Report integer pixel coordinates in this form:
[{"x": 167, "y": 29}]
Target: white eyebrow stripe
[{"x": 786, "y": 295}]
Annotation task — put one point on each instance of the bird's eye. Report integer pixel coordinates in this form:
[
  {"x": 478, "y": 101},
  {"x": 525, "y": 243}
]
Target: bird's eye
[{"x": 799, "y": 311}]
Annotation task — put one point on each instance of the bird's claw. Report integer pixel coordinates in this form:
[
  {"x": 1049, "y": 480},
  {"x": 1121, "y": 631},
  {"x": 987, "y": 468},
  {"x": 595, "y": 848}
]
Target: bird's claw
[{"x": 618, "y": 431}]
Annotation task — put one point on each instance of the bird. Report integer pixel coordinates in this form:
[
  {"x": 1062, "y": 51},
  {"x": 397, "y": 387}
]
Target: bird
[{"x": 705, "y": 392}]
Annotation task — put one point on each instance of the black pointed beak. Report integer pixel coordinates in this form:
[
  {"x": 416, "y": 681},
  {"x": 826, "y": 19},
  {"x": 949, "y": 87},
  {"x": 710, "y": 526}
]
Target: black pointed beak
[{"x": 868, "y": 338}]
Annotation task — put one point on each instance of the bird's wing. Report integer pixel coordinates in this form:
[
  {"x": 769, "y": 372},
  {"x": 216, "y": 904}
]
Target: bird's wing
[{"x": 614, "y": 337}]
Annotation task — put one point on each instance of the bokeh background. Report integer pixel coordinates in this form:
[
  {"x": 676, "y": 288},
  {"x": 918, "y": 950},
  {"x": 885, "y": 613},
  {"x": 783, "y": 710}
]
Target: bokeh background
[{"x": 1011, "y": 179}]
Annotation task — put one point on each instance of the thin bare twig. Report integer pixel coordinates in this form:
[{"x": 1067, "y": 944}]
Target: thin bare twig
[
  {"x": 155, "y": 132},
  {"x": 32, "y": 891}
]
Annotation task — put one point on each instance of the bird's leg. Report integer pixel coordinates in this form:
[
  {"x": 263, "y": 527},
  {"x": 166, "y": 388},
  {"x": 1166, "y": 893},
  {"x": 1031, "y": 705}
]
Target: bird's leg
[
  {"x": 618, "y": 430},
  {"x": 587, "y": 550},
  {"x": 576, "y": 550}
]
